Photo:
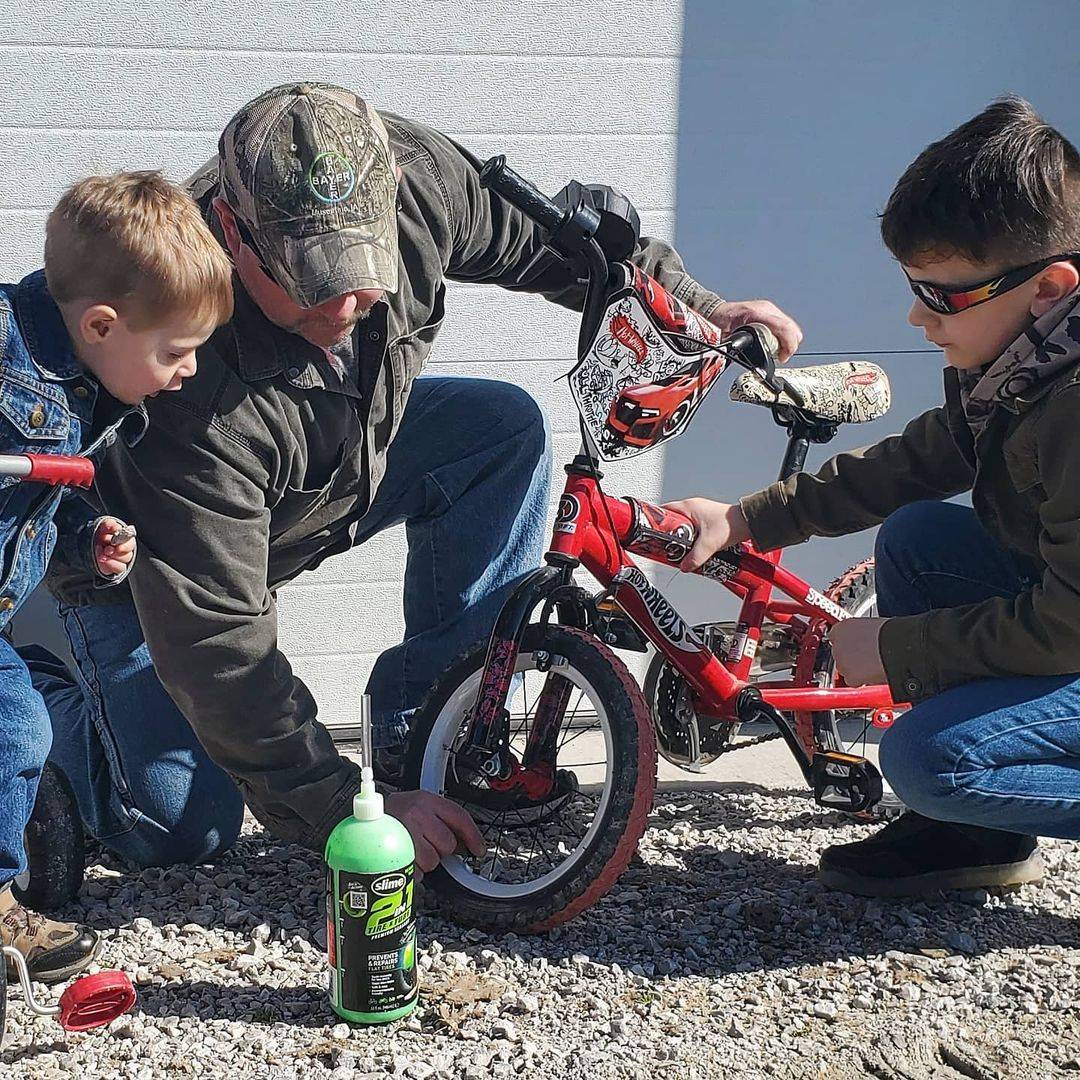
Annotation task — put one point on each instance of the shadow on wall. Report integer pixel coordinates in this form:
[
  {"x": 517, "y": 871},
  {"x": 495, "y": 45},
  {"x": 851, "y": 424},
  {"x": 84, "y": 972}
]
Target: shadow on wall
[{"x": 795, "y": 121}]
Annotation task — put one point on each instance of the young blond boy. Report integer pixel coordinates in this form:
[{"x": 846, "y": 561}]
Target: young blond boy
[
  {"x": 133, "y": 284},
  {"x": 980, "y": 606}
]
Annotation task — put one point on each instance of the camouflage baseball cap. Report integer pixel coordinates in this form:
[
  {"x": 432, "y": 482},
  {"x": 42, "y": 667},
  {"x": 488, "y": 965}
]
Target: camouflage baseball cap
[{"x": 308, "y": 168}]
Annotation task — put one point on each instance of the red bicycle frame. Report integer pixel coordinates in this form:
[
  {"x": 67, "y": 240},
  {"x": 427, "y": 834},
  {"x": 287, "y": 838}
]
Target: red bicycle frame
[{"x": 599, "y": 531}]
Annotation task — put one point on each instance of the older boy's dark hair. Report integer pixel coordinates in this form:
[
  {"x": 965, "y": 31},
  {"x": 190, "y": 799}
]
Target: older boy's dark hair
[{"x": 1002, "y": 188}]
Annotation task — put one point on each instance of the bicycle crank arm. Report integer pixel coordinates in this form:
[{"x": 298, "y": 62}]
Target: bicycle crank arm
[
  {"x": 839, "y": 781},
  {"x": 751, "y": 706}
]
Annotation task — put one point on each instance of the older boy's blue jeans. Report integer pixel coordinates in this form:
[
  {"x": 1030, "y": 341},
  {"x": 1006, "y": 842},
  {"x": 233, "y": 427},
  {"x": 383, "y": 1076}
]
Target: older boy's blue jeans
[
  {"x": 144, "y": 784},
  {"x": 1000, "y": 753},
  {"x": 25, "y": 736}
]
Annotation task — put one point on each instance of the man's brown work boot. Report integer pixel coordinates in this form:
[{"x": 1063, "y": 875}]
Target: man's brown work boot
[{"x": 53, "y": 951}]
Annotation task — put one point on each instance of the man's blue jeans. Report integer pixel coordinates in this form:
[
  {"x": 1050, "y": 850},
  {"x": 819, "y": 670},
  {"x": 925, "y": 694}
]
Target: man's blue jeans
[
  {"x": 473, "y": 497},
  {"x": 25, "y": 736},
  {"x": 1000, "y": 753}
]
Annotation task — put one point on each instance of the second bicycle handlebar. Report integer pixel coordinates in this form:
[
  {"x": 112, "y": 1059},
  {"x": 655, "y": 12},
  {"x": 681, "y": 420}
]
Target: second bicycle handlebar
[{"x": 49, "y": 468}]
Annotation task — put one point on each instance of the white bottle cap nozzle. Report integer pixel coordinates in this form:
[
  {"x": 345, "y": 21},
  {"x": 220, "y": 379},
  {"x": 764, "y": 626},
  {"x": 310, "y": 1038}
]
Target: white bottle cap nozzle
[{"x": 367, "y": 803}]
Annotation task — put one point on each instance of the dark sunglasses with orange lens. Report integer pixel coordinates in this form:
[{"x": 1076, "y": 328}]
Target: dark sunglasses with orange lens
[{"x": 950, "y": 299}]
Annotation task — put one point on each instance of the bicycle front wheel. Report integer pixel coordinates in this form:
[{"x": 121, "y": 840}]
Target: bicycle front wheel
[{"x": 552, "y": 856}]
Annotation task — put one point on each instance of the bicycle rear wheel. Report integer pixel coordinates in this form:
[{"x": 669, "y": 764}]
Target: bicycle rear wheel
[
  {"x": 551, "y": 858},
  {"x": 848, "y": 731}
]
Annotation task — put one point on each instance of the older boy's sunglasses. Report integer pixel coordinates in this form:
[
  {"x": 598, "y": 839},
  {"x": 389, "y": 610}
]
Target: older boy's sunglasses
[{"x": 950, "y": 301}]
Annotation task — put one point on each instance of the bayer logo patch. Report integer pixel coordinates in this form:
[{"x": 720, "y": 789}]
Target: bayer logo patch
[{"x": 331, "y": 178}]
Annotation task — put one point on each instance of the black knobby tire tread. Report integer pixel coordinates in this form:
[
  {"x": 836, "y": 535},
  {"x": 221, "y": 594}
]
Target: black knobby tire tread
[
  {"x": 846, "y": 590},
  {"x": 56, "y": 846},
  {"x": 613, "y": 847}
]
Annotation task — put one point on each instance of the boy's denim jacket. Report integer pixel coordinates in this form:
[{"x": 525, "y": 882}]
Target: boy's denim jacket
[{"x": 47, "y": 401}]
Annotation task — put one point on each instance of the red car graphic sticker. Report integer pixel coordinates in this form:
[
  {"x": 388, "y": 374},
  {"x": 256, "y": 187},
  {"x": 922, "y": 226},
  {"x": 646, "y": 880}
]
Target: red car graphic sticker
[{"x": 647, "y": 371}]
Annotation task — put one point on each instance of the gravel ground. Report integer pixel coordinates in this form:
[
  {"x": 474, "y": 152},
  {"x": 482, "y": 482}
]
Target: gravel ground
[{"x": 716, "y": 956}]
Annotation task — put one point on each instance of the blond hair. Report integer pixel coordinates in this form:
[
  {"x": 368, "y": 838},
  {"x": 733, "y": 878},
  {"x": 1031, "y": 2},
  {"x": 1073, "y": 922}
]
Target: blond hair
[{"x": 138, "y": 243}]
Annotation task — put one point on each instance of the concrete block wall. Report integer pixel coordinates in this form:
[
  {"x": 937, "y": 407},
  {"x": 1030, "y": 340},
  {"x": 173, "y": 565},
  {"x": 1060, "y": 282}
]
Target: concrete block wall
[{"x": 571, "y": 88}]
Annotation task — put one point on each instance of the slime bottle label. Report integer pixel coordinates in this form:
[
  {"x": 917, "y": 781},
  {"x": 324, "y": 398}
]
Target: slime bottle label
[{"x": 371, "y": 940}]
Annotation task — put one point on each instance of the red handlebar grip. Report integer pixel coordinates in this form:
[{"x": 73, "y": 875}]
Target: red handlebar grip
[{"x": 61, "y": 469}]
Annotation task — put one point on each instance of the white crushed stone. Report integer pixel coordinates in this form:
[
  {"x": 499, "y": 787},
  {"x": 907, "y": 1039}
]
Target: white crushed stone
[{"x": 717, "y": 955}]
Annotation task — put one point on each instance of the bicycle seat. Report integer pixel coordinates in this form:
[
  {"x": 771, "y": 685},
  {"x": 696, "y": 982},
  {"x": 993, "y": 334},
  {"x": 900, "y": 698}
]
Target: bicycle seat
[{"x": 852, "y": 392}]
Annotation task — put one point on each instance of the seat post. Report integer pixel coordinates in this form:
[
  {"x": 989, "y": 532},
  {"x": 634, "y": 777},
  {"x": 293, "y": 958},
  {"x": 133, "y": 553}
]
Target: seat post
[
  {"x": 803, "y": 429},
  {"x": 795, "y": 455}
]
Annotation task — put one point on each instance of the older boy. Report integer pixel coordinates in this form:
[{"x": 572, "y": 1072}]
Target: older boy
[
  {"x": 133, "y": 283},
  {"x": 981, "y": 607}
]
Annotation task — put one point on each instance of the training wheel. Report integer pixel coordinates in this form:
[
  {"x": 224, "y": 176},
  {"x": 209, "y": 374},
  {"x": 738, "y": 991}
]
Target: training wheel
[{"x": 96, "y": 1000}]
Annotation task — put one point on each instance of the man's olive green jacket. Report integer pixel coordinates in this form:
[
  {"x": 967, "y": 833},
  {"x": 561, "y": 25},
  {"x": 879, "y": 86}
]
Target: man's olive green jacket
[{"x": 260, "y": 466}]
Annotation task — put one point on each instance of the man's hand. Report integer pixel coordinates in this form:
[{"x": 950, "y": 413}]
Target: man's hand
[
  {"x": 437, "y": 826},
  {"x": 719, "y": 526},
  {"x": 855, "y": 649},
  {"x": 114, "y": 546},
  {"x": 734, "y": 313}
]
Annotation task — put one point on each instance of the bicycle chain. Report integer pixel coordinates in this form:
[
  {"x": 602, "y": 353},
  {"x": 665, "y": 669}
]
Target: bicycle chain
[{"x": 757, "y": 740}]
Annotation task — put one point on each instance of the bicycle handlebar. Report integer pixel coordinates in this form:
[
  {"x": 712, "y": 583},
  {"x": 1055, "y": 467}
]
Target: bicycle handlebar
[
  {"x": 573, "y": 230},
  {"x": 49, "y": 468},
  {"x": 496, "y": 174}
]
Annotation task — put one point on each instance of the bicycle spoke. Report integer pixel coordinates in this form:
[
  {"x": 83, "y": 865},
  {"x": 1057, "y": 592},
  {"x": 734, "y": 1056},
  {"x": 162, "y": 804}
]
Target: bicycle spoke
[
  {"x": 582, "y": 731},
  {"x": 568, "y": 719},
  {"x": 532, "y": 849},
  {"x": 543, "y": 848},
  {"x": 498, "y": 844}
]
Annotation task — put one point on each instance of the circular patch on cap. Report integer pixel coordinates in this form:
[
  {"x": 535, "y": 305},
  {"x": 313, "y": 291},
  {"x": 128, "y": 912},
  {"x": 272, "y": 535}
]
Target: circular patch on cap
[{"x": 331, "y": 178}]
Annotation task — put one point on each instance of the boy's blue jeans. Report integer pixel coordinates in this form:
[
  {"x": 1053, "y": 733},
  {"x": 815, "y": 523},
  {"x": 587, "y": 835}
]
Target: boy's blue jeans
[
  {"x": 1001, "y": 753},
  {"x": 25, "y": 737},
  {"x": 145, "y": 786}
]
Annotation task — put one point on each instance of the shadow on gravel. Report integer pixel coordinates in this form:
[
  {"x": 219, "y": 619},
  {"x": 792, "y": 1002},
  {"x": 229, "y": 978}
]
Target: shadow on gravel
[
  {"x": 12, "y": 1055},
  {"x": 300, "y": 1006},
  {"x": 757, "y": 912},
  {"x": 692, "y": 909}
]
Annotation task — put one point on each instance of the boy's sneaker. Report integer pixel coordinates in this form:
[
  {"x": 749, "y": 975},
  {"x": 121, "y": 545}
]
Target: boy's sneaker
[
  {"x": 53, "y": 951},
  {"x": 914, "y": 856}
]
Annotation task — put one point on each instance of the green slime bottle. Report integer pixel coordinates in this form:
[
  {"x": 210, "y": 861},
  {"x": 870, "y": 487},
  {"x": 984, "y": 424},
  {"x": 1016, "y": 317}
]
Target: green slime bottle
[{"x": 370, "y": 926}]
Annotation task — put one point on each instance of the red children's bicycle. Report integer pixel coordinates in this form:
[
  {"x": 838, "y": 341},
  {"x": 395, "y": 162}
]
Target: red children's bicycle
[{"x": 543, "y": 733}]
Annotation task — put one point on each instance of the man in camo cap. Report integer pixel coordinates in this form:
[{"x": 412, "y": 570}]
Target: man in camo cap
[{"x": 303, "y": 434}]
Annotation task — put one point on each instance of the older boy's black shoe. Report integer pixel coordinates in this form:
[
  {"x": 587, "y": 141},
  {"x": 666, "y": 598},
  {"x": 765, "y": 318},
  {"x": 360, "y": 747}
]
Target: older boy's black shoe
[{"x": 915, "y": 856}]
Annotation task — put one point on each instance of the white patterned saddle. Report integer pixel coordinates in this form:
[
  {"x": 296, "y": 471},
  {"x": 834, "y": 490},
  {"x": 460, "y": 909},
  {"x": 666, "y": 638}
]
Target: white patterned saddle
[{"x": 852, "y": 392}]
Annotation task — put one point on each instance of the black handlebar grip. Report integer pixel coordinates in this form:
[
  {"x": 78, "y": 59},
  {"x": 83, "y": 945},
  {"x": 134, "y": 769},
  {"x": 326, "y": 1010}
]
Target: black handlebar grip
[{"x": 496, "y": 174}]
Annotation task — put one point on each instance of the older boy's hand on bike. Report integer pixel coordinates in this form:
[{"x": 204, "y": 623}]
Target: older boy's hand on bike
[
  {"x": 718, "y": 525},
  {"x": 855, "y": 649},
  {"x": 438, "y": 827},
  {"x": 114, "y": 546},
  {"x": 734, "y": 313}
]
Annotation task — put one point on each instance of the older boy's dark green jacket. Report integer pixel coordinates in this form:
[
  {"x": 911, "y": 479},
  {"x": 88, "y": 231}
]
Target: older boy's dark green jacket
[{"x": 1025, "y": 488}]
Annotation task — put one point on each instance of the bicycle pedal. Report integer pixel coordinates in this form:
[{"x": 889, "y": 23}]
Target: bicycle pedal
[{"x": 845, "y": 781}]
